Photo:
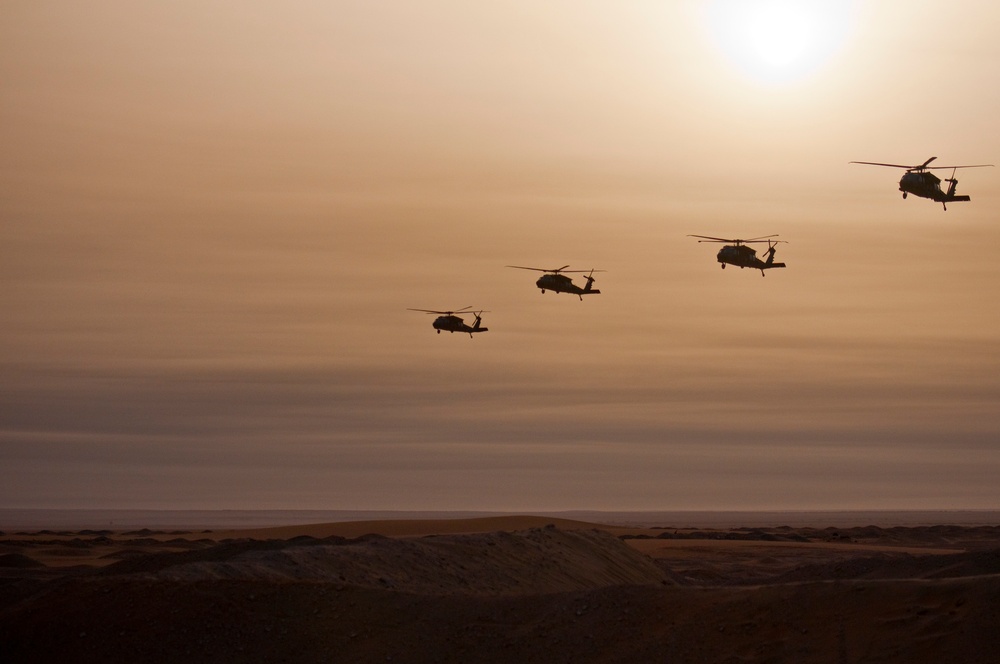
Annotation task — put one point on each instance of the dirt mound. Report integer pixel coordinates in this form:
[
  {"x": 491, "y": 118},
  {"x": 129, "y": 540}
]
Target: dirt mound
[
  {"x": 18, "y": 561},
  {"x": 942, "y": 536},
  {"x": 899, "y": 566},
  {"x": 540, "y": 560}
]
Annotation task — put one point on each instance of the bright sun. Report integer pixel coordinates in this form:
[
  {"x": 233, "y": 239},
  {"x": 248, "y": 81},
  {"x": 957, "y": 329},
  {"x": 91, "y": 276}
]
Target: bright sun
[{"x": 779, "y": 41}]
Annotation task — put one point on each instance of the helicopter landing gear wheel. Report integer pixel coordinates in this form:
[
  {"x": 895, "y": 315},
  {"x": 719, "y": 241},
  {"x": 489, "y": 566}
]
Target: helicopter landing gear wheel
[
  {"x": 439, "y": 331},
  {"x": 904, "y": 195},
  {"x": 723, "y": 266}
]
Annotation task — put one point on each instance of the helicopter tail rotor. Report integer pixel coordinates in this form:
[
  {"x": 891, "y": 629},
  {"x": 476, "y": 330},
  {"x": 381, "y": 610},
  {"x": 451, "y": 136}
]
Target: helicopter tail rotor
[
  {"x": 589, "y": 288},
  {"x": 477, "y": 326},
  {"x": 772, "y": 247}
]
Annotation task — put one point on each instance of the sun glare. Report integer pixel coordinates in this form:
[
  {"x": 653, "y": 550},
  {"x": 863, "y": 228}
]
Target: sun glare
[{"x": 779, "y": 41}]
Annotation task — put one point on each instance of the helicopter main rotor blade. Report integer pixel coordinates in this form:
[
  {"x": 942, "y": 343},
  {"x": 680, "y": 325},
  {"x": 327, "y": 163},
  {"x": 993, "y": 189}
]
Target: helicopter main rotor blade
[
  {"x": 713, "y": 239},
  {"x": 541, "y": 269},
  {"x": 945, "y": 168},
  {"x": 463, "y": 310},
  {"x": 762, "y": 238},
  {"x": 876, "y": 163},
  {"x": 921, "y": 167}
]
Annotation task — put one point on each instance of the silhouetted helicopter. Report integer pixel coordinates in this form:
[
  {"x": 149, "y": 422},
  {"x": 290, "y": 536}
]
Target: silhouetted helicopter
[
  {"x": 739, "y": 254},
  {"x": 448, "y": 321},
  {"x": 919, "y": 181},
  {"x": 556, "y": 281}
]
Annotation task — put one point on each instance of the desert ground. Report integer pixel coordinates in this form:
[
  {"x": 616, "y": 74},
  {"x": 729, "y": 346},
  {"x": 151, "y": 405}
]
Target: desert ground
[{"x": 501, "y": 589}]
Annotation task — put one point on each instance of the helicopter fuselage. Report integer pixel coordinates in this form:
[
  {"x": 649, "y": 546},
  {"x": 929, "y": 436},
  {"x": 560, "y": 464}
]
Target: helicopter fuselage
[
  {"x": 451, "y": 323},
  {"x": 927, "y": 185},
  {"x": 560, "y": 283},
  {"x": 743, "y": 256}
]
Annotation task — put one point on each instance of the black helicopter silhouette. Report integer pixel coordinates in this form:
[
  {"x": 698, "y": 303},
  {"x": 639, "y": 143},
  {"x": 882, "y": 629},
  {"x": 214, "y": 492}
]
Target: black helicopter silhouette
[
  {"x": 919, "y": 181},
  {"x": 448, "y": 321},
  {"x": 556, "y": 281},
  {"x": 737, "y": 253}
]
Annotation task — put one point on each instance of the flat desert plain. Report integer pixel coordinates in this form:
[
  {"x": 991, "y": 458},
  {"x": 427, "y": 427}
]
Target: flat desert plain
[{"x": 502, "y": 589}]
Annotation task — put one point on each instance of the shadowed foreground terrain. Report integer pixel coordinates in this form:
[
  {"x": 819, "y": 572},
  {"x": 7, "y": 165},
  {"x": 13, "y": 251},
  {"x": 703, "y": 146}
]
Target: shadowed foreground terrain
[{"x": 510, "y": 589}]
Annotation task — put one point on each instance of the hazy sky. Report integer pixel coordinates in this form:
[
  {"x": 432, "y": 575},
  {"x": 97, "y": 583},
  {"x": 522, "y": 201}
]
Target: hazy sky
[{"x": 214, "y": 216}]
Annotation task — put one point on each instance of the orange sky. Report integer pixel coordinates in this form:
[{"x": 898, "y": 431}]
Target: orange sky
[{"x": 214, "y": 216}]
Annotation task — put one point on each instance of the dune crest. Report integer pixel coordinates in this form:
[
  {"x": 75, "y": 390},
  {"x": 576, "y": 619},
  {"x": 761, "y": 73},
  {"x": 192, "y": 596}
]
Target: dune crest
[{"x": 411, "y": 527}]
